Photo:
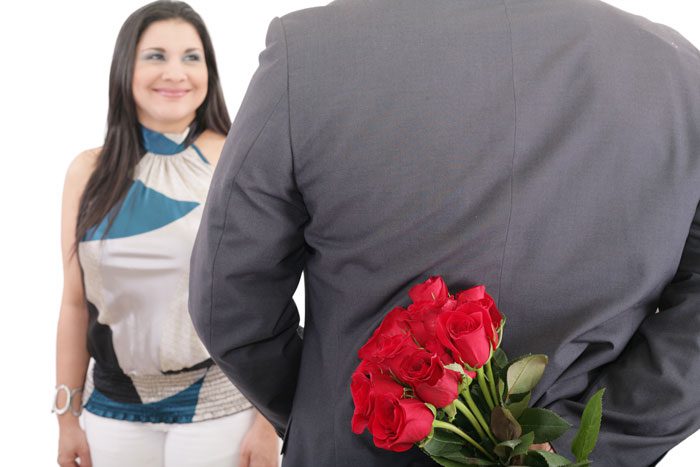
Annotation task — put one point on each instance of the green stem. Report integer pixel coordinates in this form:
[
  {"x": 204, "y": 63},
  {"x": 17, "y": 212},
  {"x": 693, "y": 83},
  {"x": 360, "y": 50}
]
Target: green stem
[
  {"x": 470, "y": 416},
  {"x": 492, "y": 384},
  {"x": 477, "y": 414},
  {"x": 469, "y": 439},
  {"x": 484, "y": 388}
]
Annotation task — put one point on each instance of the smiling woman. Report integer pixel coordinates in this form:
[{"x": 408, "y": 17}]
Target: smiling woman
[
  {"x": 170, "y": 75},
  {"x": 126, "y": 349}
]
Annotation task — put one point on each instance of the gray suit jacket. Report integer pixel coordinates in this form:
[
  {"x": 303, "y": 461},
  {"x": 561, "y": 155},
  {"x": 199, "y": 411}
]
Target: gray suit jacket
[{"x": 548, "y": 149}]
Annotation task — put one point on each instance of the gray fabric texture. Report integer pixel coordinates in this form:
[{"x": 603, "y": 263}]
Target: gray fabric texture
[{"x": 548, "y": 149}]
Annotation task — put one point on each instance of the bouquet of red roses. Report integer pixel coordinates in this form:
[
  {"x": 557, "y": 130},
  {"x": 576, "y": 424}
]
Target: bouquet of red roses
[{"x": 434, "y": 375}]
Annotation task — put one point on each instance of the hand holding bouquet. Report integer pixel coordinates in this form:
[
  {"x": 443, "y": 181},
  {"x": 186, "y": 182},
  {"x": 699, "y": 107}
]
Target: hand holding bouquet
[{"x": 433, "y": 375}]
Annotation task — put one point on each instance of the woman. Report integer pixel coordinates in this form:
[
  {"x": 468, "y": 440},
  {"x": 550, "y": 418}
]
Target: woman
[{"x": 131, "y": 210}]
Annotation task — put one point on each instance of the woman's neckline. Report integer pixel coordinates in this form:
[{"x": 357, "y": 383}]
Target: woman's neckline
[{"x": 165, "y": 144}]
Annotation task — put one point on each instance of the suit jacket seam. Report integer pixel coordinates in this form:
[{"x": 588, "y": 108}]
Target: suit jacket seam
[
  {"x": 289, "y": 105},
  {"x": 512, "y": 165},
  {"x": 289, "y": 119},
  {"x": 226, "y": 211}
]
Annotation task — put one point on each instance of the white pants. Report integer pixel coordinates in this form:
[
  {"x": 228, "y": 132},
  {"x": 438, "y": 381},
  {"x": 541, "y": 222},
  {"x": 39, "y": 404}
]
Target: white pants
[{"x": 210, "y": 443}]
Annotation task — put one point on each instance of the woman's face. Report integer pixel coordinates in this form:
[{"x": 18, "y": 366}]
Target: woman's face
[{"x": 170, "y": 75}]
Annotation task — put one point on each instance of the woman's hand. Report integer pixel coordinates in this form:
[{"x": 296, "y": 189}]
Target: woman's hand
[
  {"x": 72, "y": 444},
  {"x": 260, "y": 446}
]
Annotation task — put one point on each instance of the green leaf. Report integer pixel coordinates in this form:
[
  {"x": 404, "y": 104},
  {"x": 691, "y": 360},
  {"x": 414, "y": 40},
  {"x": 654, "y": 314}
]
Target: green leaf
[
  {"x": 525, "y": 443},
  {"x": 546, "y": 459},
  {"x": 500, "y": 358},
  {"x": 466, "y": 462},
  {"x": 458, "y": 456},
  {"x": 503, "y": 425},
  {"x": 587, "y": 435},
  {"x": 504, "y": 450},
  {"x": 524, "y": 374},
  {"x": 514, "y": 447},
  {"x": 443, "y": 443},
  {"x": 517, "y": 408},
  {"x": 518, "y": 397},
  {"x": 427, "y": 439},
  {"x": 546, "y": 424},
  {"x": 448, "y": 462}
]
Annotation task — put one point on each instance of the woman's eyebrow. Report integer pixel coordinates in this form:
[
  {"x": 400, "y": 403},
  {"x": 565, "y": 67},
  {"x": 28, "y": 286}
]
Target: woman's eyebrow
[{"x": 162, "y": 50}]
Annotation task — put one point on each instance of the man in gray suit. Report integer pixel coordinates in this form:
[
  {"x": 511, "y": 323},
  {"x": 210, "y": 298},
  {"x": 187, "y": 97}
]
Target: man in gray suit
[{"x": 548, "y": 149}]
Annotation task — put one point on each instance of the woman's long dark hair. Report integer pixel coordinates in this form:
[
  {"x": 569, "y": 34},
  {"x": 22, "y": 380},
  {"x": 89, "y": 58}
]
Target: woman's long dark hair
[{"x": 123, "y": 147}]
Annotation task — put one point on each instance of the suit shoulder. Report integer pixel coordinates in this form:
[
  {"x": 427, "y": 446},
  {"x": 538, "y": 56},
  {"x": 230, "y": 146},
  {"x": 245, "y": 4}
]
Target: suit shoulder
[
  {"x": 327, "y": 17},
  {"x": 656, "y": 37},
  {"x": 312, "y": 13}
]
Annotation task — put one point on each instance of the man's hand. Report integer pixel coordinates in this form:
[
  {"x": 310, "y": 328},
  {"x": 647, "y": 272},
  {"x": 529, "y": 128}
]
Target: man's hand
[
  {"x": 542, "y": 447},
  {"x": 260, "y": 446}
]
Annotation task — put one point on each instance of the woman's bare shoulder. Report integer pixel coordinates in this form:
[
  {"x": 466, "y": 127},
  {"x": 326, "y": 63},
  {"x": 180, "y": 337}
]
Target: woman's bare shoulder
[
  {"x": 211, "y": 144},
  {"x": 83, "y": 165}
]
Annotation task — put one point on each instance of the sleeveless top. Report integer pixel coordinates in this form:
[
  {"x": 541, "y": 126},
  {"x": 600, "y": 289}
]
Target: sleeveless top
[{"x": 147, "y": 363}]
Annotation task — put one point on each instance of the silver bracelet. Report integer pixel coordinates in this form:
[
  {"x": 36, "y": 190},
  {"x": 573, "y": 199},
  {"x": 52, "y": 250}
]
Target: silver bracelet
[{"x": 70, "y": 394}]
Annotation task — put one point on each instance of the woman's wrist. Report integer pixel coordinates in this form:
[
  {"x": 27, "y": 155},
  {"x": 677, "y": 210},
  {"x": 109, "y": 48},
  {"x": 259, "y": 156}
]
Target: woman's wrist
[
  {"x": 67, "y": 405},
  {"x": 263, "y": 424},
  {"x": 68, "y": 421}
]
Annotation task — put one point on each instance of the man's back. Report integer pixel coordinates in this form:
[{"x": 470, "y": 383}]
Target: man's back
[{"x": 547, "y": 149}]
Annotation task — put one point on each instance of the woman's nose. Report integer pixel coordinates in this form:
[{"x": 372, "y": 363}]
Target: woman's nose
[{"x": 174, "y": 72}]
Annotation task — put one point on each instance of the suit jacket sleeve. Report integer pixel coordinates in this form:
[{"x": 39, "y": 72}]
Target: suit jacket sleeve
[
  {"x": 652, "y": 400},
  {"x": 250, "y": 249}
]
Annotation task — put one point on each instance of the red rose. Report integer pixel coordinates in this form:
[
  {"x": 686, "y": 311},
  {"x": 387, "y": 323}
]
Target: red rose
[
  {"x": 384, "y": 350},
  {"x": 361, "y": 388},
  {"x": 443, "y": 392},
  {"x": 476, "y": 293},
  {"x": 419, "y": 366},
  {"x": 431, "y": 382},
  {"x": 462, "y": 331},
  {"x": 449, "y": 305},
  {"x": 492, "y": 317},
  {"x": 394, "y": 324},
  {"x": 399, "y": 423},
  {"x": 432, "y": 290},
  {"x": 436, "y": 347},
  {"x": 367, "y": 381},
  {"x": 422, "y": 320}
]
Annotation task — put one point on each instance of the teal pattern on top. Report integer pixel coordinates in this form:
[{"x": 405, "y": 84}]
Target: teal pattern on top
[
  {"x": 148, "y": 362},
  {"x": 144, "y": 209},
  {"x": 158, "y": 143}
]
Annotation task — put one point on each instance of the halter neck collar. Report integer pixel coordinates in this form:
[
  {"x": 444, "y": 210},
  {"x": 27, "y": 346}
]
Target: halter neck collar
[{"x": 166, "y": 144}]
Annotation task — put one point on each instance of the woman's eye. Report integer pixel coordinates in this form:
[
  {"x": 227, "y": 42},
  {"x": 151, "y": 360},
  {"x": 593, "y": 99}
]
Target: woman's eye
[
  {"x": 192, "y": 58},
  {"x": 154, "y": 56}
]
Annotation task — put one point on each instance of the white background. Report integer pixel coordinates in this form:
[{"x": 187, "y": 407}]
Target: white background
[{"x": 55, "y": 64}]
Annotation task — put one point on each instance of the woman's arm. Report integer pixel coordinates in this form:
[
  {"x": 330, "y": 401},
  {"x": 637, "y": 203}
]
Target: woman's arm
[{"x": 71, "y": 342}]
